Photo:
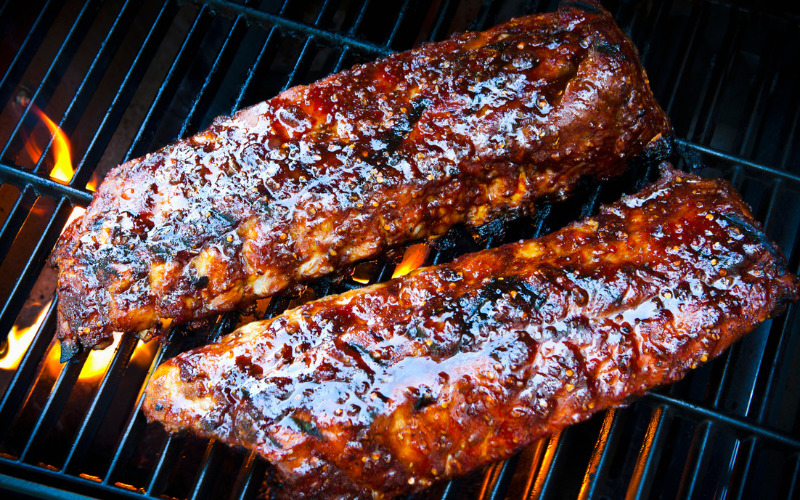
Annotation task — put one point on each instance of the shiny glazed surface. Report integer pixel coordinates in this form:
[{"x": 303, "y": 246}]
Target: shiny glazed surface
[
  {"x": 387, "y": 389},
  {"x": 320, "y": 177}
]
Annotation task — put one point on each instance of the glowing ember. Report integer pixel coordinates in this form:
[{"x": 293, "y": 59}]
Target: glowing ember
[
  {"x": 414, "y": 257},
  {"x": 62, "y": 171},
  {"x": 19, "y": 339}
]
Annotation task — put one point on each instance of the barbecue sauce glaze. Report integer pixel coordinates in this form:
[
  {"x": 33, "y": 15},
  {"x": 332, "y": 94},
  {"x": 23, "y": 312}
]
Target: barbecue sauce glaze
[
  {"x": 386, "y": 389},
  {"x": 464, "y": 131}
]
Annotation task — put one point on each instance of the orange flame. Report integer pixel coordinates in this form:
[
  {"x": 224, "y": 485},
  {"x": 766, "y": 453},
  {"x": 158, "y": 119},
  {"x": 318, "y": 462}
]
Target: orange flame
[
  {"x": 62, "y": 171},
  {"x": 76, "y": 212},
  {"x": 414, "y": 257},
  {"x": 97, "y": 362},
  {"x": 19, "y": 339}
]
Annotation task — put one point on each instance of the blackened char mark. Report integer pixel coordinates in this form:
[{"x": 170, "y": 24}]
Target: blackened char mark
[
  {"x": 399, "y": 133},
  {"x": 753, "y": 232}
]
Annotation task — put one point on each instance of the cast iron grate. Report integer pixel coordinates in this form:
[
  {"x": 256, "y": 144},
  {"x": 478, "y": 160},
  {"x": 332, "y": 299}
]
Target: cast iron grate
[{"x": 726, "y": 73}]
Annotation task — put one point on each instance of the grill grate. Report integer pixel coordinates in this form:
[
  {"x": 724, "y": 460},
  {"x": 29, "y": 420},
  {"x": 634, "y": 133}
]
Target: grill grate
[{"x": 126, "y": 77}]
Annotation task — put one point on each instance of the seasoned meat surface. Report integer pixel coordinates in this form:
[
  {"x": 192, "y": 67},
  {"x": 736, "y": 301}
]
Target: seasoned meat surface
[
  {"x": 322, "y": 176},
  {"x": 387, "y": 389}
]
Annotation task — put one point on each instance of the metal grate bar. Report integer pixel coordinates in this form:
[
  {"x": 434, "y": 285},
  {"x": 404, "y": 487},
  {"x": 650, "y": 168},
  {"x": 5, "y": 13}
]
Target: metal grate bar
[
  {"x": 308, "y": 51},
  {"x": 696, "y": 461},
  {"x": 543, "y": 479},
  {"x": 396, "y": 28},
  {"x": 342, "y": 60},
  {"x": 100, "y": 403},
  {"x": 22, "y": 287},
  {"x": 170, "y": 84},
  {"x": 497, "y": 479},
  {"x": 16, "y": 217},
  {"x": 447, "y": 11},
  {"x": 209, "y": 465},
  {"x": 59, "y": 395},
  {"x": 302, "y": 64},
  {"x": 720, "y": 74},
  {"x": 214, "y": 79},
  {"x": 649, "y": 455},
  {"x": 486, "y": 16},
  {"x": 698, "y": 15},
  {"x": 768, "y": 65},
  {"x": 358, "y": 20},
  {"x": 784, "y": 332},
  {"x": 124, "y": 95},
  {"x": 287, "y": 25},
  {"x": 28, "y": 48},
  {"x": 656, "y": 26},
  {"x": 94, "y": 74},
  {"x": 57, "y": 68},
  {"x": 699, "y": 413},
  {"x": 531, "y": 458},
  {"x": 250, "y": 474},
  {"x": 43, "y": 186},
  {"x": 265, "y": 55},
  {"x": 135, "y": 423},
  {"x": 27, "y": 371},
  {"x": 698, "y": 156},
  {"x": 790, "y": 142},
  {"x": 740, "y": 479},
  {"x": 602, "y": 454},
  {"x": 167, "y": 458}
]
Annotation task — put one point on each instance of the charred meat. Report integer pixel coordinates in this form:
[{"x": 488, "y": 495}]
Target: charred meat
[
  {"x": 387, "y": 389},
  {"x": 322, "y": 176}
]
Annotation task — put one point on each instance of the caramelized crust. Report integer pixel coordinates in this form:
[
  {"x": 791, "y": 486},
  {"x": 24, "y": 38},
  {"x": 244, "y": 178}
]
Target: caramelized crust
[
  {"x": 462, "y": 131},
  {"x": 387, "y": 389}
]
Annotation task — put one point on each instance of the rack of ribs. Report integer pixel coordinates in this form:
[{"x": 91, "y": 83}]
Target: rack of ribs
[
  {"x": 322, "y": 176},
  {"x": 387, "y": 389}
]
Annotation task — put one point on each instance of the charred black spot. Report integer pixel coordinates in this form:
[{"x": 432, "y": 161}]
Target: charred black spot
[
  {"x": 499, "y": 46},
  {"x": 413, "y": 113},
  {"x": 424, "y": 398},
  {"x": 306, "y": 427},
  {"x": 752, "y": 232},
  {"x": 200, "y": 282},
  {"x": 610, "y": 49}
]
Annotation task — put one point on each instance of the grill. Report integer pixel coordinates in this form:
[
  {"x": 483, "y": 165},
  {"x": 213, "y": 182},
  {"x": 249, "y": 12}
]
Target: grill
[{"x": 122, "y": 78}]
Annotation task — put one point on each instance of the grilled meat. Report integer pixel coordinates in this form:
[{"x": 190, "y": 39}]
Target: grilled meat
[
  {"x": 320, "y": 177},
  {"x": 387, "y": 389}
]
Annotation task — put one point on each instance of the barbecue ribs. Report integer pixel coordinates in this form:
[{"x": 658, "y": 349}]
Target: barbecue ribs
[
  {"x": 387, "y": 389},
  {"x": 320, "y": 177}
]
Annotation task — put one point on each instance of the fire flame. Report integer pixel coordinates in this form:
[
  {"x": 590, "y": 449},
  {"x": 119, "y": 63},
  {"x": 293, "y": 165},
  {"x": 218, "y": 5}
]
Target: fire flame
[
  {"x": 97, "y": 362},
  {"x": 62, "y": 171},
  {"x": 19, "y": 339},
  {"x": 413, "y": 257}
]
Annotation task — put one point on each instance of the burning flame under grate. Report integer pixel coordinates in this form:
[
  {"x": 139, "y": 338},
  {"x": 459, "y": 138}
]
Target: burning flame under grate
[{"x": 78, "y": 427}]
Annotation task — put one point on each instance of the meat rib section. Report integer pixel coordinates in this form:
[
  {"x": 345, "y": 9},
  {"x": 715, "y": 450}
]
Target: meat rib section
[
  {"x": 387, "y": 389},
  {"x": 320, "y": 177}
]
